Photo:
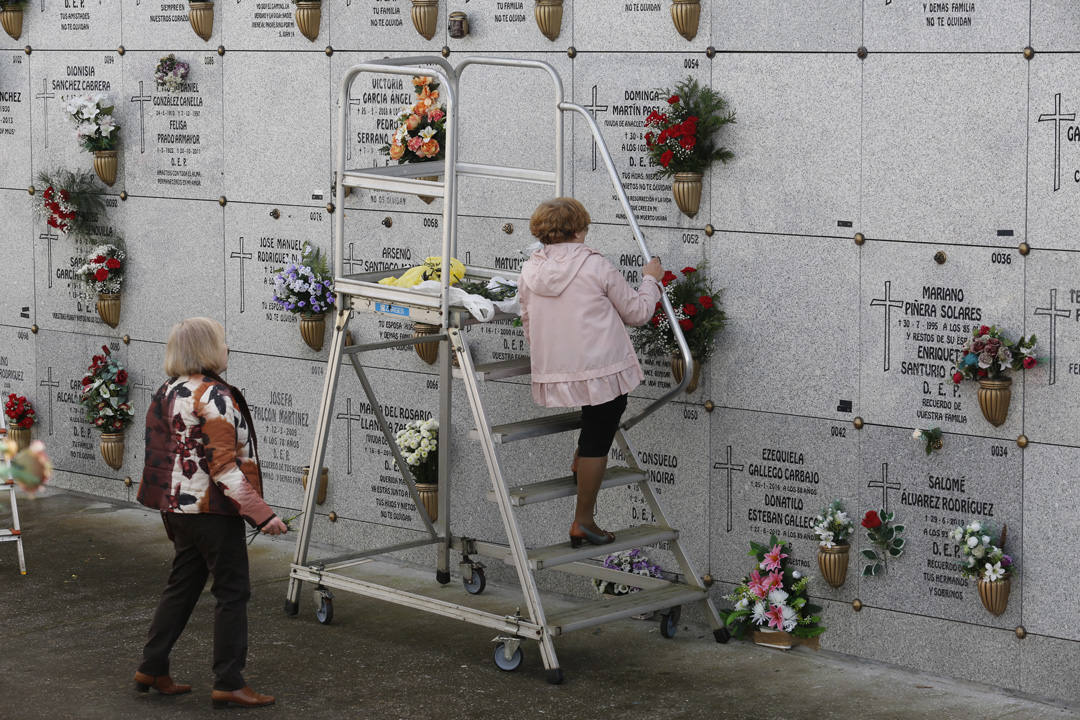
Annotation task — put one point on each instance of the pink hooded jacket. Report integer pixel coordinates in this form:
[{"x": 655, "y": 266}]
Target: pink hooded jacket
[{"x": 575, "y": 306}]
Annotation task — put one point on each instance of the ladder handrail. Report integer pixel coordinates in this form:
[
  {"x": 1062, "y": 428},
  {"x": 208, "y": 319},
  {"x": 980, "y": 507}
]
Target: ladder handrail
[{"x": 680, "y": 339}]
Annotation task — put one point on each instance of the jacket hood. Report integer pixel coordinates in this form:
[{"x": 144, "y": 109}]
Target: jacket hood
[{"x": 553, "y": 267}]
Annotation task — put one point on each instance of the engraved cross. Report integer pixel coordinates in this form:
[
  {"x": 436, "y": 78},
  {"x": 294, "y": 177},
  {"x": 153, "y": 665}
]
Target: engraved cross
[
  {"x": 48, "y": 237},
  {"x": 594, "y": 108},
  {"x": 1053, "y": 312},
  {"x": 888, "y": 303},
  {"x": 142, "y": 98},
  {"x": 1057, "y": 117},
  {"x": 349, "y": 416},
  {"x": 242, "y": 256},
  {"x": 728, "y": 467},
  {"x": 885, "y": 486},
  {"x": 45, "y": 96},
  {"x": 50, "y": 383}
]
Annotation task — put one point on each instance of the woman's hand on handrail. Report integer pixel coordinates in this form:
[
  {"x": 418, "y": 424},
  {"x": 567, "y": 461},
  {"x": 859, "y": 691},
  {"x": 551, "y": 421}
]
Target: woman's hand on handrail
[{"x": 653, "y": 269}]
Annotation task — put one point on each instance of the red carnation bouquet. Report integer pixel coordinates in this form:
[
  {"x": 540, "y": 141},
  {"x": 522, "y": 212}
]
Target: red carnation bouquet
[
  {"x": 683, "y": 138},
  {"x": 103, "y": 270},
  {"x": 19, "y": 411},
  {"x": 69, "y": 201},
  {"x": 105, "y": 393},
  {"x": 697, "y": 310}
]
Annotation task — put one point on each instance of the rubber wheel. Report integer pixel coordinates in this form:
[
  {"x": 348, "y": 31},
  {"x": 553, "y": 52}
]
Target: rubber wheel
[
  {"x": 508, "y": 664},
  {"x": 477, "y": 584},
  {"x": 669, "y": 625},
  {"x": 325, "y": 611},
  {"x": 722, "y": 635}
]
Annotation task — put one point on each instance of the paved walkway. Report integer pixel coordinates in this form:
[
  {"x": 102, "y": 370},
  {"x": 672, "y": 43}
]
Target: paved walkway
[{"x": 72, "y": 630}]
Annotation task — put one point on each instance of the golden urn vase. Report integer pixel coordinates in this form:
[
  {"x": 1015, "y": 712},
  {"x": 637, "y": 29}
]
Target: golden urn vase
[
  {"x": 428, "y": 199},
  {"x": 995, "y": 595},
  {"x": 105, "y": 166},
  {"x": 308, "y": 16},
  {"x": 21, "y": 436},
  {"x": 112, "y": 449},
  {"x": 429, "y": 496},
  {"x": 833, "y": 563},
  {"x": 324, "y": 482},
  {"x": 687, "y": 191},
  {"x": 994, "y": 398},
  {"x": 678, "y": 369},
  {"x": 11, "y": 19},
  {"x": 201, "y": 16},
  {"x": 313, "y": 329},
  {"x": 686, "y": 14},
  {"x": 548, "y": 14},
  {"x": 108, "y": 308},
  {"x": 428, "y": 351},
  {"x": 425, "y": 16}
]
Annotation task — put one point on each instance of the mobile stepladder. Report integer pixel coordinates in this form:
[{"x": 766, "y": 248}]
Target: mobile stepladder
[
  {"x": 361, "y": 293},
  {"x": 14, "y": 533}
]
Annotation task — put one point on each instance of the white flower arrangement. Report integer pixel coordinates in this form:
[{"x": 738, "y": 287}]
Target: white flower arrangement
[
  {"x": 980, "y": 557},
  {"x": 833, "y": 526},
  {"x": 94, "y": 124},
  {"x": 418, "y": 443}
]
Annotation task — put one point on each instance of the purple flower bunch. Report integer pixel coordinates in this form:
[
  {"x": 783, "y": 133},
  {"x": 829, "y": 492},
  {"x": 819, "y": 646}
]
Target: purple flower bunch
[
  {"x": 633, "y": 561},
  {"x": 170, "y": 73},
  {"x": 305, "y": 287}
]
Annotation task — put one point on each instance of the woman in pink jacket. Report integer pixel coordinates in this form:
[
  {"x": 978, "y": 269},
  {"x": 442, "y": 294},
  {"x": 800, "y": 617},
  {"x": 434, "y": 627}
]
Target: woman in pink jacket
[{"x": 575, "y": 307}]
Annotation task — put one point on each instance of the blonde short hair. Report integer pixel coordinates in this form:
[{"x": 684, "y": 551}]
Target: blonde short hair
[
  {"x": 558, "y": 220},
  {"x": 195, "y": 344}
]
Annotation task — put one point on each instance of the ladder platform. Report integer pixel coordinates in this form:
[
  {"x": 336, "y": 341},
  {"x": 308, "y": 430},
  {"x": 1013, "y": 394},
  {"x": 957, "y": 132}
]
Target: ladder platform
[
  {"x": 499, "y": 370},
  {"x": 561, "y": 553},
  {"x": 533, "y": 427},
  {"x": 614, "y": 607},
  {"x": 566, "y": 487}
]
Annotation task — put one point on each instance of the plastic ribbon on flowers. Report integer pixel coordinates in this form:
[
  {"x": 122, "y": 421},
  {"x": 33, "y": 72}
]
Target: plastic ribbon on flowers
[{"x": 430, "y": 270}]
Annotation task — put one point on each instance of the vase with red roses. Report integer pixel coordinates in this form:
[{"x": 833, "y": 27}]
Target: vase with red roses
[{"x": 103, "y": 272}]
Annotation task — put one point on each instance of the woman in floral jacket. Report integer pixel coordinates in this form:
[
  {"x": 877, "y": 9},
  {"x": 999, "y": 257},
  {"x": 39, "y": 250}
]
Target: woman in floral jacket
[{"x": 202, "y": 473}]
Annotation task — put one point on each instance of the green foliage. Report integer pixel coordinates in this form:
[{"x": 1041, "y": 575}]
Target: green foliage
[
  {"x": 69, "y": 201},
  {"x": 888, "y": 541},
  {"x": 12, "y": 4},
  {"x": 502, "y": 292},
  {"x": 685, "y": 137},
  {"x": 105, "y": 393}
]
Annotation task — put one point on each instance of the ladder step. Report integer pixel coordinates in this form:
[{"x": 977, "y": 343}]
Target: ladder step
[
  {"x": 614, "y": 607},
  {"x": 500, "y": 370},
  {"x": 8, "y": 533},
  {"x": 562, "y": 553},
  {"x": 565, "y": 487},
  {"x": 533, "y": 427}
]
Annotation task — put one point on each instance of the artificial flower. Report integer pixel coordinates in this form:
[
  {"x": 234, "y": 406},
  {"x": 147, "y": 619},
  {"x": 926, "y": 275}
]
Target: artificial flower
[
  {"x": 773, "y": 558},
  {"x": 871, "y": 520},
  {"x": 994, "y": 572},
  {"x": 775, "y": 616}
]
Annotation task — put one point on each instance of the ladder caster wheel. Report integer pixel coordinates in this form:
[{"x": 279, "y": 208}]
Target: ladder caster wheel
[
  {"x": 511, "y": 663},
  {"x": 554, "y": 676},
  {"x": 442, "y": 576},
  {"x": 669, "y": 622},
  {"x": 477, "y": 584},
  {"x": 325, "y": 612},
  {"x": 292, "y": 608},
  {"x": 722, "y": 635}
]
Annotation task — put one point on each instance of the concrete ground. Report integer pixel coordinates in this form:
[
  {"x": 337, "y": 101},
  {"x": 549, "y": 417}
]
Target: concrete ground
[{"x": 72, "y": 630}]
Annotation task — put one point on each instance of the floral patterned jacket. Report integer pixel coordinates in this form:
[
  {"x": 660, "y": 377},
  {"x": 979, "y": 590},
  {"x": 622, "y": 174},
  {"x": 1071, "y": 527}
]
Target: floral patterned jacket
[{"x": 199, "y": 454}]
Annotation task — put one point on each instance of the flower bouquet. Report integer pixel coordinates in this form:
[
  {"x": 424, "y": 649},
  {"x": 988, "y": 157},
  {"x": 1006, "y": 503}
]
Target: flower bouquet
[
  {"x": 103, "y": 272},
  {"x": 21, "y": 417},
  {"x": 307, "y": 288},
  {"x": 682, "y": 141},
  {"x": 697, "y": 309},
  {"x": 97, "y": 132},
  {"x": 986, "y": 562},
  {"x": 70, "y": 202},
  {"x": 833, "y": 528},
  {"x": 170, "y": 73},
  {"x": 421, "y": 131},
  {"x": 776, "y": 601},
  {"x": 988, "y": 355},
  {"x": 632, "y": 562},
  {"x": 418, "y": 443},
  {"x": 931, "y": 436},
  {"x": 28, "y": 467},
  {"x": 11, "y": 16},
  {"x": 886, "y": 537},
  {"x": 104, "y": 397}
]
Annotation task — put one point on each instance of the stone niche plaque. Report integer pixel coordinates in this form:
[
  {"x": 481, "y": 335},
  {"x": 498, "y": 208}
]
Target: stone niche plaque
[
  {"x": 757, "y": 190},
  {"x": 915, "y": 316},
  {"x": 772, "y": 474},
  {"x": 910, "y": 25},
  {"x": 781, "y": 312},
  {"x": 73, "y": 24},
  {"x": 1051, "y": 25},
  {"x": 54, "y": 79},
  {"x": 72, "y": 441},
  {"x": 644, "y": 25},
  {"x": 1049, "y": 498},
  {"x": 1053, "y": 315},
  {"x": 63, "y": 301},
  {"x": 384, "y": 25},
  {"x": 276, "y": 145},
  {"x": 283, "y": 395},
  {"x": 162, "y": 285},
  {"x": 970, "y": 479},
  {"x": 1054, "y": 153},
  {"x": 267, "y": 25},
  {"x": 15, "y": 102},
  {"x": 18, "y": 373},
  {"x": 256, "y": 247},
  {"x": 368, "y": 485},
  {"x": 509, "y": 25},
  {"x": 155, "y": 24},
  {"x": 944, "y": 137},
  {"x": 620, "y": 102},
  {"x": 18, "y": 302},
  {"x": 174, "y": 145},
  {"x": 776, "y": 25}
]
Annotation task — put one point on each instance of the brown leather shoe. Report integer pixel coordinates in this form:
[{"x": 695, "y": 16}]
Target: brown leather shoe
[
  {"x": 244, "y": 697},
  {"x": 162, "y": 683}
]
